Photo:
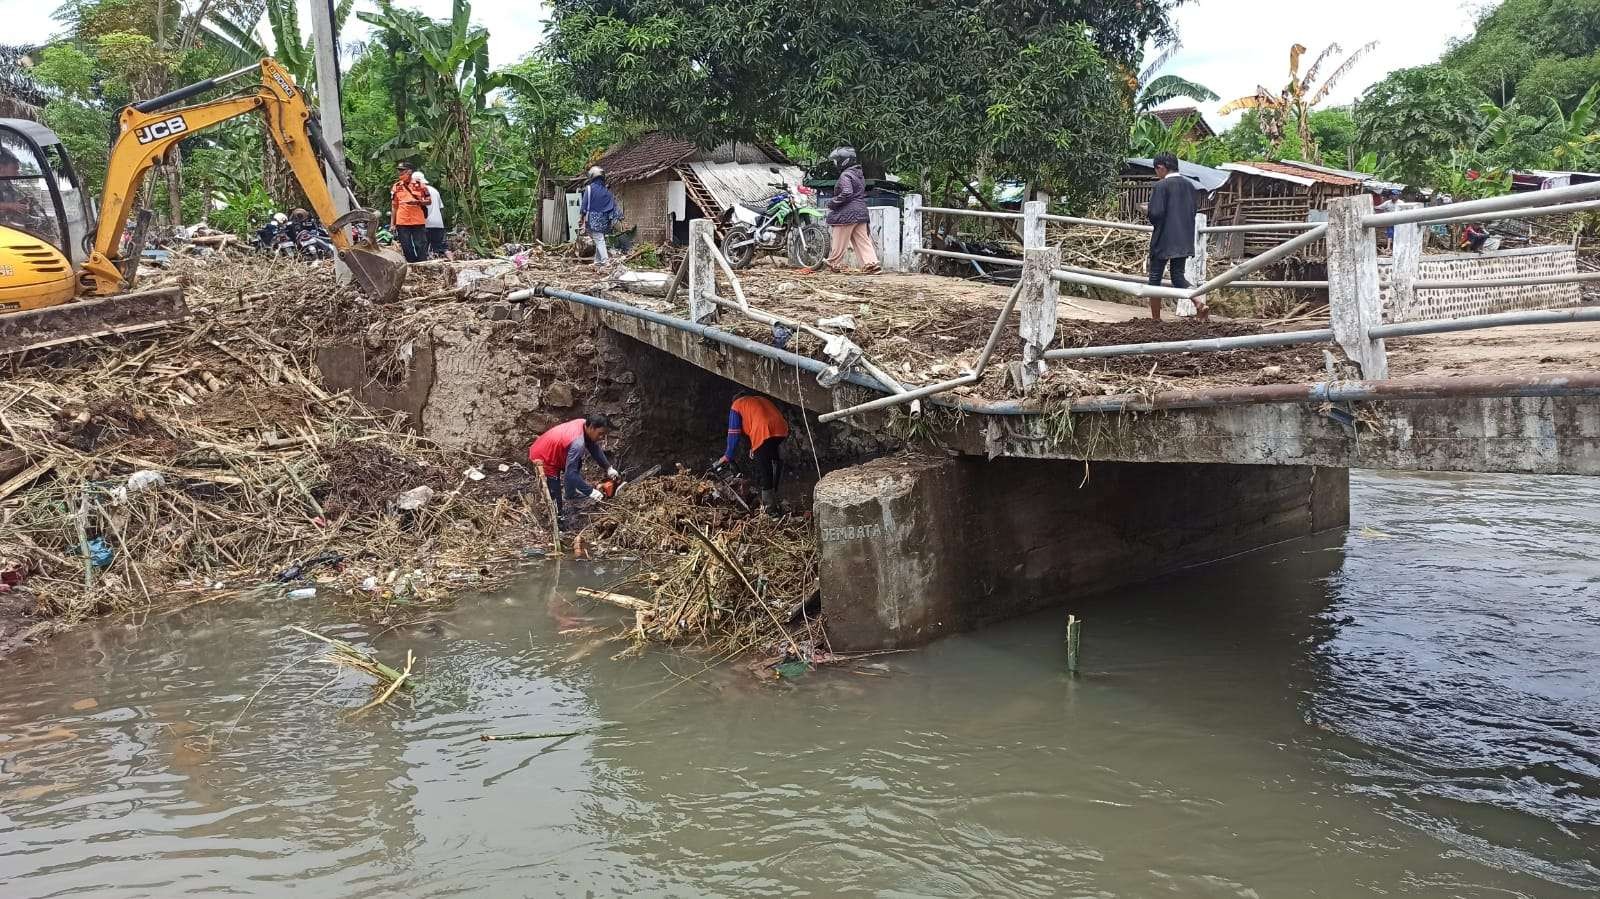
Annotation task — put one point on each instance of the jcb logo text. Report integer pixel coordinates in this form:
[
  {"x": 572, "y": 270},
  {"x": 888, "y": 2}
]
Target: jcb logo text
[{"x": 158, "y": 130}]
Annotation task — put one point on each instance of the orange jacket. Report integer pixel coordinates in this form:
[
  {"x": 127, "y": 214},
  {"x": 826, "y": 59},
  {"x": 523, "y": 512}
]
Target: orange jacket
[
  {"x": 410, "y": 201},
  {"x": 760, "y": 420}
]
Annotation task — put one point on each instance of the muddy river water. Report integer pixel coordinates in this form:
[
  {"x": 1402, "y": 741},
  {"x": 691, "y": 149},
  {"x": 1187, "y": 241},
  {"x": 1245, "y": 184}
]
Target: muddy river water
[{"x": 1411, "y": 708}]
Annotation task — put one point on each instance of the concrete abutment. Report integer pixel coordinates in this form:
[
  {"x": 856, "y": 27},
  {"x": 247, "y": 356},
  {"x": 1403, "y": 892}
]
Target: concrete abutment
[{"x": 918, "y": 547}]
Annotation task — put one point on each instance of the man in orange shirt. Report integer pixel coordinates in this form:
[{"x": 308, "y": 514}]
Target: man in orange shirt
[
  {"x": 410, "y": 201},
  {"x": 758, "y": 418}
]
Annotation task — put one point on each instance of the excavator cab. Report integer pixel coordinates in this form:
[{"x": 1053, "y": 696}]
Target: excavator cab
[
  {"x": 47, "y": 225},
  {"x": 44, "y": 218}
]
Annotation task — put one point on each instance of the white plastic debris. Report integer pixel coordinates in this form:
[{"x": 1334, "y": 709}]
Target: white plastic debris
[
  {"x": 504, "y": 469},
  {"x": 370, "y": 585},
  {"x": 414, "y": 499},
  {"x": 303, "y": 593},
  {"x": 475, "y": 474},
  {"x": 144, "y": 480},
  {"x": 842, "y": 322}
]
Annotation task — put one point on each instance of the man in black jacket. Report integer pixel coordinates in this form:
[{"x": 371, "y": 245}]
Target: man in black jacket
[{"x": 1172, "y": 208}]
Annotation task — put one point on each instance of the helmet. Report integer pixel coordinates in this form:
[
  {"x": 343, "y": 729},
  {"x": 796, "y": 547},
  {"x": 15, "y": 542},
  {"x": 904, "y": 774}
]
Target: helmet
[
  {"x": 280, "y": 218},
  {"x": 596, "y": 173},
  {"x": 843, "y": 157}
]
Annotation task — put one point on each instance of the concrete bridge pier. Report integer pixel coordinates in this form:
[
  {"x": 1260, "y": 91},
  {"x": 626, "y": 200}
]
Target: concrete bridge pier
[{"x": 918, "y": 547}]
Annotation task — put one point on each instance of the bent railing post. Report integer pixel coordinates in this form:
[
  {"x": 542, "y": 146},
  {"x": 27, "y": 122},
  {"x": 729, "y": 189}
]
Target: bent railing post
[{"x": 1354, "y": 301}]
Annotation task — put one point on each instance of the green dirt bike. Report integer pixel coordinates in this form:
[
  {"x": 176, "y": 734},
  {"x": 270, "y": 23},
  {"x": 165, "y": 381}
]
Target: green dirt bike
[{"x": 788, "y": 221}]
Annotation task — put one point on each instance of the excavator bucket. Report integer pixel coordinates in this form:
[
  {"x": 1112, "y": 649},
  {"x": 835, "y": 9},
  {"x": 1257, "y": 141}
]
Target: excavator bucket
[
  {"x": 118, "y": 316},
  {"x": 379, "y": 273}
]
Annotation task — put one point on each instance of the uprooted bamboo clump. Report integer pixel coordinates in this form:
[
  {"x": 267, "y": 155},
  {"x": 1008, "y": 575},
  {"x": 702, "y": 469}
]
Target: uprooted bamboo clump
[
  {"x": 204, "y": 459},
  {"x": 719, "y": 576}
]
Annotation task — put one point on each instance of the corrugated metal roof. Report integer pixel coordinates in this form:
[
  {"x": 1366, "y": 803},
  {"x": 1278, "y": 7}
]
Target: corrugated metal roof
[
  {"x": 732, "y": 183},
  {"x": 1204, "y": 177},
  {"x": 1316, "y": 173},
  {"x": 1260, "y": 169}
]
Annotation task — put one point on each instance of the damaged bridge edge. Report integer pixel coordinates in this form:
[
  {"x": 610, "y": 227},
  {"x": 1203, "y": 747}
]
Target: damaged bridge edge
[{"x": 1533, "y": 435}]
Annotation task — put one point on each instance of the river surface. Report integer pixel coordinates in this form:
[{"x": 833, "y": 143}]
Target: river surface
[{"x": 1409, "y": 709}]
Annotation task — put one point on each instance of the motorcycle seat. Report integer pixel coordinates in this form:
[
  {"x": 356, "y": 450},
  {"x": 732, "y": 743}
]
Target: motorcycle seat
[{"x": 755, "y": 207}]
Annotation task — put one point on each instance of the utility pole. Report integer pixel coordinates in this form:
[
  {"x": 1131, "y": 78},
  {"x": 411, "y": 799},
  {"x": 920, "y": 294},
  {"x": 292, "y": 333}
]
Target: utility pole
[{"x": 326, "y": 39}]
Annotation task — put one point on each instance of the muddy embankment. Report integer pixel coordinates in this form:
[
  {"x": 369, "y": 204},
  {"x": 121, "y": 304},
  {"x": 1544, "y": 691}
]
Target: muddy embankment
[{"x": 293, "y": 436}]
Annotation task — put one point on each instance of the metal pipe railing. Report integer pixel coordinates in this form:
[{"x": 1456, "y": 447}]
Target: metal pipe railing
[
  {"x": 1491, "y": 208},
  {"x": 1209, "y": 345},
  {"x": 1263, "y": 227},
  {"x": 975, "y": 213},
  {"x": 929, "y": 390},
  {"x": 1097, "y": 223},
  {"x": 971, "y": 257},
  {"x": 1134, "y": 287},
  {"x": 1523, "y": 281},
  {"x": 1250, "y": 266},
  {"x": 1536, "y": 212},
  {"x": 1495, "y": 320}
]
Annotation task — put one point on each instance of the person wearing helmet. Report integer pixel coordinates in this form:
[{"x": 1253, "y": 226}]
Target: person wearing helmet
[
  {"x": 847, "y": 214},
  {"x": 598, "y": 213}
]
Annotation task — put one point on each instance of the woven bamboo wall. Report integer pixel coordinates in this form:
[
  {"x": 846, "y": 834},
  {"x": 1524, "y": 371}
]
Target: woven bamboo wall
[{"x": 1435, "y": 304}]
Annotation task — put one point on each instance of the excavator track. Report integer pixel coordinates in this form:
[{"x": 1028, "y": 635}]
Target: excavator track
[{"x": 117, "y": 316}]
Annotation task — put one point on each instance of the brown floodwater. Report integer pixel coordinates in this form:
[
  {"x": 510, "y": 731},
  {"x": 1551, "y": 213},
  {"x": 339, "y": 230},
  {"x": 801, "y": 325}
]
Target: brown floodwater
[{"x": 1409, "y": 709}]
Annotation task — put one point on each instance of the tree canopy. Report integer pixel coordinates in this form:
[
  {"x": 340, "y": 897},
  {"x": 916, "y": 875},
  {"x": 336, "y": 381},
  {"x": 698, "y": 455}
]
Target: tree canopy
[
  {"x": 1415, "y": 117},
  {"x": 1035, "y": 90},
  {"x": 1538, "y": 48}
]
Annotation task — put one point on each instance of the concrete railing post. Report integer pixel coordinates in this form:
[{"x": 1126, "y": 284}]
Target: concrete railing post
[
  {"x": 702, "y": 271},
  {"x": 1407, "y": 250},
  {"x": 1032, "y": 225},
  {"x": 1038, "y": 306},
  {"x": 911, "y": 233},
  {"x": 1355, "y": 302}
]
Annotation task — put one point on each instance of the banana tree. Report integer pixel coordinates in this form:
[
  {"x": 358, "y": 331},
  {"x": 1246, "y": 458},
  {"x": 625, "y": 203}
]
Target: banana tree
[
  {"x": 1299, "y": 98},
  {"x": 1154, "y": 89},
  {"x": 453, "y": 84},
  {"x": 1577, "y": 133}
]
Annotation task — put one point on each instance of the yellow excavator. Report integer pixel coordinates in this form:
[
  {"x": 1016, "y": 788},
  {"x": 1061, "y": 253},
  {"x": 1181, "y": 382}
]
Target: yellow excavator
[{"x": 65, "y": 273}]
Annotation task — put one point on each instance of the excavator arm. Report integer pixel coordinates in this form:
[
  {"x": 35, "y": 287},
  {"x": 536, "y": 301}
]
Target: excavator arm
[{"x": 149, "y": 132}]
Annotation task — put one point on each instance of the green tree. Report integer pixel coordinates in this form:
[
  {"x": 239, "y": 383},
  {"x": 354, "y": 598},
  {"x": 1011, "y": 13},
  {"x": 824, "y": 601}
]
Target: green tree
[
  {"x": 454, "y": 82},
  {"x": 1416, "y": 117},
  {"x": 1520, "y": 46},
  {"x": 1028, "y": 90},
  {"x": 1334, "y": 130}
]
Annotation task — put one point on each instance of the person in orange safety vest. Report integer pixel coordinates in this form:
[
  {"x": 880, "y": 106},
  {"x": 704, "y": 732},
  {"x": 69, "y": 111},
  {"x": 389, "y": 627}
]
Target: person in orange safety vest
[{"x": 758, "y": 419}]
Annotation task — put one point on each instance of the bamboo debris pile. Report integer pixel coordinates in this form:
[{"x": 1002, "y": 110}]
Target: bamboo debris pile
[
  {"x": 205, "y": 459},
  {"x": 718, "y": 577}
]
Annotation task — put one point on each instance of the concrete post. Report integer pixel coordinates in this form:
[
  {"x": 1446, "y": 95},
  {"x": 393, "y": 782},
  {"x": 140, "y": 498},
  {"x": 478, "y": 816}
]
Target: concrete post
[
  {"x": 1355, "y": 302},
  {"x": 884, "y": 223},
  {"x": 1407, "y": 250},
  {"x": 326, "y": 41},
  {"x": 911, "y": 233},
  {"x": 1039, "y": 306},
  {"x": 702, "y": 271},
  {"x": 1195, "y": 270},
  {"x": 1033, "y": 235}
]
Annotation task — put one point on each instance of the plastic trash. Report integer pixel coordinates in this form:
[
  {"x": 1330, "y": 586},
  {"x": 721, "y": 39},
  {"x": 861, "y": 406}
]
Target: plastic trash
[
  {"x": 475, "y": 474},
  {"x": 145, "y": 480},
  {"x": 842, "y": 322},
  {"x": 100, "y": 553},
  {"x": 303, "y": 593},
  {"x": 370, "y": 585}
]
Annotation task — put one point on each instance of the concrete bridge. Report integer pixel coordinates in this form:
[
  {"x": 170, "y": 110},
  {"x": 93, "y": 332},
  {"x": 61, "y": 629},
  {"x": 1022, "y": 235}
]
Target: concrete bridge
[{"x": 1013, "y": 505}]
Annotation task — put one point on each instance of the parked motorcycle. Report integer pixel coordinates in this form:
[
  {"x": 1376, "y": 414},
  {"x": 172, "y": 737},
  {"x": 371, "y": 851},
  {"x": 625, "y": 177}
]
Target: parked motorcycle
[{"x": 788, "y": 221}]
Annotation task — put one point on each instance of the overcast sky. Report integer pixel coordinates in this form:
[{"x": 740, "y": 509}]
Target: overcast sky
[{"x": 1228, "y": 45}]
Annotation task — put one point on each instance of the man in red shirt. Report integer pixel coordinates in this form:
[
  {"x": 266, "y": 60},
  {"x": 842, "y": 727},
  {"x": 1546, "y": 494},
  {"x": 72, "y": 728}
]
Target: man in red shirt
[
  {"x": 759, "y": 419},
  {"x": 559, "y": 454},
  {"x": 410, "y": 202}
]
